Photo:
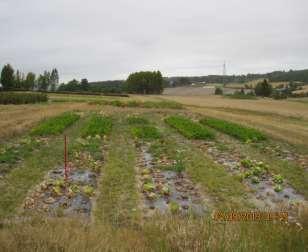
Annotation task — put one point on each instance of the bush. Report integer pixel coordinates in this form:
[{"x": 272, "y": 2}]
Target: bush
[
  {"x": 263, "y": 89},
  {"x": 218, "y": 91},
  {"x": 98, "y": 125},
  {"x": 236, "y": 130},
  {"x": 188, "y": 128},
  {"x": 22, "y": 98},
  {"x": 55, "y": 125}
]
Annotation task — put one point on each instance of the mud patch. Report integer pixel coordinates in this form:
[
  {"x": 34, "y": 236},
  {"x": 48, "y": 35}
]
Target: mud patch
[
  {"x": 267, "y": 191},
  {"x": 57, "y": 197},
  {"x": 167, "y": 191}
]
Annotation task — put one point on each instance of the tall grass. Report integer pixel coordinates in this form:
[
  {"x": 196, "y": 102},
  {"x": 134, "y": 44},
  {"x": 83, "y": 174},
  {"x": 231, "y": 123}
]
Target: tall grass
[
  {"x": 21, "y": 98},
  {"x": 55, "y": 125},
  {"x": 188, "y": 128},
  {"x": 156, "y": 234},
  {"x": 98, "y": 125},
  {"x": 233, "y": 129}
]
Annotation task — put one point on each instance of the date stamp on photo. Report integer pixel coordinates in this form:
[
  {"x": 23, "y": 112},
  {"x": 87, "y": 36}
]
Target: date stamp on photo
[{"x": 250, "y": 216}]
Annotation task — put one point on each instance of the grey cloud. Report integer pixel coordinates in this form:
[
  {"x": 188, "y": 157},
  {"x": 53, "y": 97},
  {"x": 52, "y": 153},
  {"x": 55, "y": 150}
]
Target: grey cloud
[{"x": 109, "y": 39}]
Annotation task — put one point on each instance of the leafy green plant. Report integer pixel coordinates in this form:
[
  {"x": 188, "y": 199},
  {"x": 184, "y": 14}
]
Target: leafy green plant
[
  {"x": 88, "y": 190},
  {"x": 149, "y": 187},
  {"x": 179, "y": 166},
  {"x": 238, "y": 131},
  {"x": 174, "y": 207},
  {"x": 255, "y": 180},
  {"x": 247, "y": 163},
  {"x": 278, "y": 188},
  {"x": 278, "y": 179},
  {"x": 188, "y": 128},
  {"x": 55, "y": 125},
  {"x": 97, "y": 125}
]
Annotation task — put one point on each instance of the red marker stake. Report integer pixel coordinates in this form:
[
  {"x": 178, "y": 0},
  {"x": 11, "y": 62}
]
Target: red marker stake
[{"x": 65, "y": 159}]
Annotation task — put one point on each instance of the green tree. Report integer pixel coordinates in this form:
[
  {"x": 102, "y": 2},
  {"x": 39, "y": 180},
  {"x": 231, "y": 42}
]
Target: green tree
[
  {"x": 30, "y": 81},
  {"x": 263, "y": 89},
  {"x": 71, "y": 86},
  {"x": 17, "y": 80},
  {"x": 7, "y": 77},
  {"x": 85, "y": 85},
  {"x": 145, "y": 83},
  {"x": 54, "y": 79},
  {"x": 43, "y": 81}
]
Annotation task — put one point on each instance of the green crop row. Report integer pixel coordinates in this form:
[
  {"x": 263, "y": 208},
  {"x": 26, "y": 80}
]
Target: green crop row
[
  {"x": 233, "y": 129},
  {"x": 146, "y": 132},
  {"x": 55, "y": 125},
  {"x": 22, "y": 98},
  {"x": 98, "y": 125},
  {"x": 189, "y": 129}
]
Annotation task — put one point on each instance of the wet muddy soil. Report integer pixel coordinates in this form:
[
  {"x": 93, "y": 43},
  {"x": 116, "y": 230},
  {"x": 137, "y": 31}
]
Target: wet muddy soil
[
  {"x": 58, "y": 197},
  {"x": 167, "y": 191},
  {"x": 265, "y": 192}
]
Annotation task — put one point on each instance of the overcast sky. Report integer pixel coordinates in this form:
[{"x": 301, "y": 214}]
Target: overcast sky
[{"x": 101, "y": 40}]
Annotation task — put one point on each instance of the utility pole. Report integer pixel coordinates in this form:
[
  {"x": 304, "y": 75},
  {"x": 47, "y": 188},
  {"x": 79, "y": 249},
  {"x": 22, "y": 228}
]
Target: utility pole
[{"x": 224, "y": 73}]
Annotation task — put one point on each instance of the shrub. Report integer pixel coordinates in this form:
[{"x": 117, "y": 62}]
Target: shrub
[
  {"x": 98, "y": 125},
  {"x": 55, "y": 125},
  {"x": 188, "y": 128},
  {"x": 218, "y": 91},
  {"x": 263, "y": 89},
  {"x": 236, "y": 130},
  {"x": 22, "y": 98}
]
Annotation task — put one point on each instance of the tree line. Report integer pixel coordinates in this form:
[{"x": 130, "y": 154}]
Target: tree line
[
  {"x": 137, "y": 83},
  {"x": 291, "y": 75},
  {"x": 144, "y": 82},
  {"x": 16, "y": 80}
]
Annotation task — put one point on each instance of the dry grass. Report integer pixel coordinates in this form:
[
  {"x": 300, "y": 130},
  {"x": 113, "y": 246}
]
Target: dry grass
[
  {"x": 16, "y": 119},
  {"x": 304, "y": 90},
  {"x": 159, "y": 234},
  {"x": 285, "y": 119}
]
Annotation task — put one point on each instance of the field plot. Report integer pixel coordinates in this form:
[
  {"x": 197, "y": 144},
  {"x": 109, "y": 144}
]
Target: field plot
[{"x": 148, "y": 178}]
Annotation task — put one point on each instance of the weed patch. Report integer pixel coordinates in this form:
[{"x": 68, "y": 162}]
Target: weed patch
[{"x": 188, "y": 128}]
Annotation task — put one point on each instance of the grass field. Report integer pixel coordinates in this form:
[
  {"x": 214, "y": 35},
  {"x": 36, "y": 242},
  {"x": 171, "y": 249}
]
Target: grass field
[{"x": 167, "y": 174}]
